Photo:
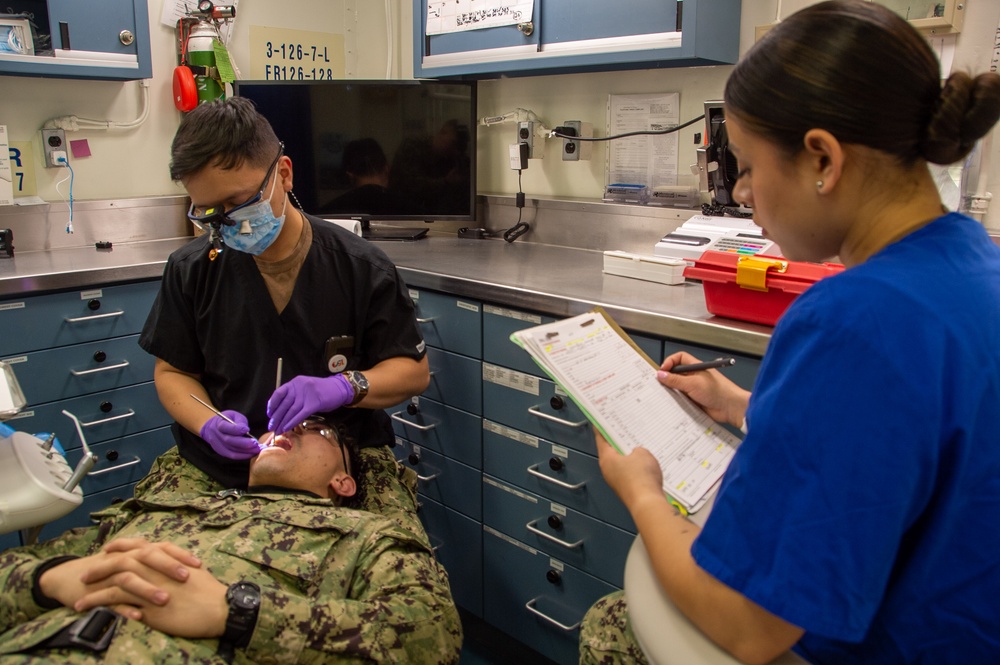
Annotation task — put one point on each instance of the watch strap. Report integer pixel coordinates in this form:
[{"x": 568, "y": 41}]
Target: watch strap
[{"x": 242, "y": 617}]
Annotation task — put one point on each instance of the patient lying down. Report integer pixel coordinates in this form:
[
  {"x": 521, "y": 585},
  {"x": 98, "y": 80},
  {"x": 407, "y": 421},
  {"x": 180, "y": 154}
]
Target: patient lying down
[{"x": 332, "y": 581}]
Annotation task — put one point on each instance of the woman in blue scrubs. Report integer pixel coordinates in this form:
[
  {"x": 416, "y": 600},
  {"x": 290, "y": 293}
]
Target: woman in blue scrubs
[{"x": 859, "y": 521}]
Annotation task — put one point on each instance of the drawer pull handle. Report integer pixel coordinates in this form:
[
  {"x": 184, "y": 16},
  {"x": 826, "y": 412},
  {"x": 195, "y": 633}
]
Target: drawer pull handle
[
  {"x": 530, "y": 526},
  {"x": 135, "y": 461},
  {"x": 533, "y": 470},
  {"x": 84, "y": 319},
  {"x": 535, "y": 412},
  {"x": 82, "y": 372},
  {"x": 419, "y": 320},
  {"x": 530, "y": 606},
  {"x": 423, "y": 428},
  {"x": 427, "y": 479},
  {"x": 108, "y": 420}
]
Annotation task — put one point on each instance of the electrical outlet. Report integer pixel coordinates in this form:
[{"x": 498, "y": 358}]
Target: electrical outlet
[
  {"x": 526, "y": 134},
  {"x": 54, "y": 145},
  {"x": 574, "y": 151}
]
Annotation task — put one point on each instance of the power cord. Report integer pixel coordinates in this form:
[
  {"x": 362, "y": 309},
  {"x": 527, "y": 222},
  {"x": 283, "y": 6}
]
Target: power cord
[
  {"x": 70, "y": 177},
  {"x": 520, "y": 228},
  {"x": 570, "y": 133}
]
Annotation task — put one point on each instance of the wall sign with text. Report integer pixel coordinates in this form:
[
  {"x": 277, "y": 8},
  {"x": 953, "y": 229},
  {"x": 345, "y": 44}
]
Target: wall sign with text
[{"x": 279, "y": 54}]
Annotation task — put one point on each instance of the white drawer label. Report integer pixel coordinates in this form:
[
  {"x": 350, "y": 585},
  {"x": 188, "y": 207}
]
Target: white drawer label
[
  {"x": 509, "y": 433},
  {"x": 414, "y": 295},
  {"x": 556, "y": 565},
  {"x": 94, "y": 293},
  {"x": 11, "y": 305},
  {"x": 14, "y": 361},
  {"x": 512, "y": 314},
  {"x": 512, "y": 541},
  {"x": 559, "y": 451},
  {"x": 557, "y": 509},
  {"x": 508, "y": 378},
  {"x": 472, "y": 307},
  {"x": 511, "y": 490}
]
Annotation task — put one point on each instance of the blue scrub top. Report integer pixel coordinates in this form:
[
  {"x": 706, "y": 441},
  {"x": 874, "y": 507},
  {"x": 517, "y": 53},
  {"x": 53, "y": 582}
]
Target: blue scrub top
[{"x": 864, "y": 504}]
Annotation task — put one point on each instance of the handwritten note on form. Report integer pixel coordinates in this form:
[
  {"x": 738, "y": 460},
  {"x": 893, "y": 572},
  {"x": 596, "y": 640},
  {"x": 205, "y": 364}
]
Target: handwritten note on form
[
  {"x": 461, "y": 15},
  {"x": 615, "y": 385}
]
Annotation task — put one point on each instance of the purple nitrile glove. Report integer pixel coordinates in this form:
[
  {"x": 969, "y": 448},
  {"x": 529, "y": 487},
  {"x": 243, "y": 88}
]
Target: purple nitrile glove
[
  {"x": 230, "y": 440},
  {"x": 304, "y": 396}
]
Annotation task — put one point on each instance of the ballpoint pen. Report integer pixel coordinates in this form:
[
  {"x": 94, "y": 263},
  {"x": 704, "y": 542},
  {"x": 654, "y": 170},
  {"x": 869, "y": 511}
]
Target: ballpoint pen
[
  {"x": 221, "y": 415},
  {"x": 696, "y": 367}
]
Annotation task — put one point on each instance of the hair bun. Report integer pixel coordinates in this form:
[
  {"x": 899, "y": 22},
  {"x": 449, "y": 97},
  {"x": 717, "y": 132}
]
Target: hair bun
[{"x": 966, "y": 110}]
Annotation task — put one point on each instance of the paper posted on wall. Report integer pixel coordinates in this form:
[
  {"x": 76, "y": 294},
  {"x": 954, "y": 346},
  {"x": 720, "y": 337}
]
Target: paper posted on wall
[{"x": 614, "y": 384}]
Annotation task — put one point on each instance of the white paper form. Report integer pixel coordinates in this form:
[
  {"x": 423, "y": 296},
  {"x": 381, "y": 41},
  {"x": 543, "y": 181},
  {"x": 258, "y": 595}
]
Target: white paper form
[
  {"x": 616, "y": 387},
  {"x": 461, "y": 15},
  {"x": 643, "y": 160}
]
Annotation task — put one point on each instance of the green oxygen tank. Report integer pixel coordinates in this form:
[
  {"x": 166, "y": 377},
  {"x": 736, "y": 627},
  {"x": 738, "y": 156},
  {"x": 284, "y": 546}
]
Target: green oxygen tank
[{"x": 201, "y": 59}]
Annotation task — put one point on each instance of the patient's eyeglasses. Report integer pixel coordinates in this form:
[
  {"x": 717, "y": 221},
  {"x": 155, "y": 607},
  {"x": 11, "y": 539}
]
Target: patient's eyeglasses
[
  {"x": 205, "y": 216},
  {"x": 324, "y": 430}
]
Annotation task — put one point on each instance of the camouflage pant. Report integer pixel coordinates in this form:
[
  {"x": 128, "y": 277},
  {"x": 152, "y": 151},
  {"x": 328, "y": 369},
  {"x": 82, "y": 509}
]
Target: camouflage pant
[{"x": 605, "y": 635}]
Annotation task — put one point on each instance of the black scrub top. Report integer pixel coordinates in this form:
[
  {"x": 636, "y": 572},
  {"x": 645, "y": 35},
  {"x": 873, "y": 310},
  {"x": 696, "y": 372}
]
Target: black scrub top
[{"x": 216, "y": 319}]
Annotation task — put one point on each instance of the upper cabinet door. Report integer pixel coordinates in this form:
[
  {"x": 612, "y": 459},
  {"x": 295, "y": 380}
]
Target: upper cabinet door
[
  {"x": 584, "y": 35},
  {"x": 96, "y": 39}
]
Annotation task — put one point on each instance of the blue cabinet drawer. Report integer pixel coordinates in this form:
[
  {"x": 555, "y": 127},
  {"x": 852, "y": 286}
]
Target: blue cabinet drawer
[
  {"x": 103, "y": 416},
  {"x": 456, "y": 380},
  {"x": 81, "y": 514},
  {"x": 500, "y": 322},
  {"x": 72, "y": 317},
  {"x": 498, "y": 325},
  {"x": 10, "y": 540},
  {"x": 441, "y": 428},
  {"x": 122, "y": 461},
  {"x": 530, "y": 404},
  {"x": 592, "y": 546},
  {"x": 69, "y": 371},
  {"x": 568, "y": 477},
  {"x": 536, "y": 598},
  {"x": 443, "y": 479},
  {"x": 458, "y": 545},
  {"x": 449, "y": 323}
]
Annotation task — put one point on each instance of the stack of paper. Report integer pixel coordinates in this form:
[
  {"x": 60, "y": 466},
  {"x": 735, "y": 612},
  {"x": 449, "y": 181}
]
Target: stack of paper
[{"x": 615, "y": 385}]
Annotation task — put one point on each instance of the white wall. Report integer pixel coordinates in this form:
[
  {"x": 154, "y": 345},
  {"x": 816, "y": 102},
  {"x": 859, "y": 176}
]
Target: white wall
[{"x": 134, "y": 163}]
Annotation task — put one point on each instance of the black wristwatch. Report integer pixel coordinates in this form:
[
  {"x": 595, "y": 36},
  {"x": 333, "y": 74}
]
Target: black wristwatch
[
  {"x": 359, "y": 383},
  {"x": 244, "y": 603}
]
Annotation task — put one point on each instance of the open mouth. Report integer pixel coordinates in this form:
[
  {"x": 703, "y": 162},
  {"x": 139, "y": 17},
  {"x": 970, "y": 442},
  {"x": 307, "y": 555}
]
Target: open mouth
[{"x": 278, "y": 441}]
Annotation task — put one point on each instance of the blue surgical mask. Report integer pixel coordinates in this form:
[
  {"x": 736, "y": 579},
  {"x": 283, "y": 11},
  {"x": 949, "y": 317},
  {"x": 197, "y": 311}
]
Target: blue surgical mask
[{"x": 256, "y": 226}]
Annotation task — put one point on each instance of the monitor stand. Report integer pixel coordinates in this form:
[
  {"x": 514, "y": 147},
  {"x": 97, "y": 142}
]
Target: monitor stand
[
  {"x": 389, "y": 232},
  {"x": 392, "y": 233}
]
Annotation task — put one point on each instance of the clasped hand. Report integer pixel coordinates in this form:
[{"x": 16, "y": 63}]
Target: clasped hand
[{"x": 160, "y": 584}]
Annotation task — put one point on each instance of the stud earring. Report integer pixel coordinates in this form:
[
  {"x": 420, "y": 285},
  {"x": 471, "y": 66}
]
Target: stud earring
[{"x": 819, "y": 184}]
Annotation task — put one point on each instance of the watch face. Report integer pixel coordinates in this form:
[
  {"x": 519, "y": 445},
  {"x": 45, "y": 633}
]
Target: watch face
[
  {"x": 361, "y": 381},
  {"x": 244, "y": 595}
]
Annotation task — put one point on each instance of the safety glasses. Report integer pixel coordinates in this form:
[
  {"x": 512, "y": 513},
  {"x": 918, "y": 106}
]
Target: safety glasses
[
  {"x": 321, "y": 427},
  {"x": 205, "y": 217}
]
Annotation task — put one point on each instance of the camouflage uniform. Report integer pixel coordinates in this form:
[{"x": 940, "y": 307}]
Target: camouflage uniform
[
  {"x": 605, "y": 635},
  {"x": 336, "y": 584}
]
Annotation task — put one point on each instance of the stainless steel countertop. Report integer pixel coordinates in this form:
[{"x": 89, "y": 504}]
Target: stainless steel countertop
[
  {"x": 562, "y": 281},
  {"x": 558, "y": 281},
  {"x": 78, "y": 267}
]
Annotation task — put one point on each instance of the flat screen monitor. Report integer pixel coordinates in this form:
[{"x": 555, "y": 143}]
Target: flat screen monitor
[{"x": 376, "y": 150}]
